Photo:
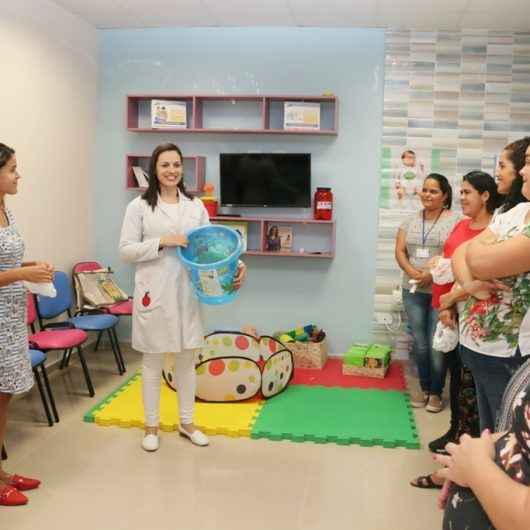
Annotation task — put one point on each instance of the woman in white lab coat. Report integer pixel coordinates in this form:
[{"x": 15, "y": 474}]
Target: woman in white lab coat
[{"x": 166, "y": 312}]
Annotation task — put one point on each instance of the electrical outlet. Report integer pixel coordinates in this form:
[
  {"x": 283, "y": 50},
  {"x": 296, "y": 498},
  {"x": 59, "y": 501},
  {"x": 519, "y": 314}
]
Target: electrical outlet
[{"x": 383, "y": 318}]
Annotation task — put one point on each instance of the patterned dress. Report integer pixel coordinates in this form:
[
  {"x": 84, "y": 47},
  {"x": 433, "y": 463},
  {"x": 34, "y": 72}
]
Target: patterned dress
[
  {"x": 512, "y": 454},
  {"x": 16, "y": 375}
]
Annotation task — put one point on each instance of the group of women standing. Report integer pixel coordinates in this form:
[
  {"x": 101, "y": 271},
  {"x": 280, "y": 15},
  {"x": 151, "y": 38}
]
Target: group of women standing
[{"x": 489, "y": 251}]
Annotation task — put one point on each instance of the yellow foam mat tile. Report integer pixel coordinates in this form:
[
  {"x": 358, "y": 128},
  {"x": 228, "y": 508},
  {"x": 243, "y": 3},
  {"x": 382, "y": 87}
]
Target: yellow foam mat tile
[{"x": 125, "y": 409}]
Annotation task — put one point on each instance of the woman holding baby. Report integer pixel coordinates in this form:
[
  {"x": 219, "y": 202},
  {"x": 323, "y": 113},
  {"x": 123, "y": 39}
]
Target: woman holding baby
[{"x": 490, "y": 320}]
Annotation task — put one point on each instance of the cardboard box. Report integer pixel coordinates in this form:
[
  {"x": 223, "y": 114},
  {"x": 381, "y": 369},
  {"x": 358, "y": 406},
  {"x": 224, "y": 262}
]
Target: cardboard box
[
  {"x": 369, "y": 360},
  {"x": 309, "y": 354}
]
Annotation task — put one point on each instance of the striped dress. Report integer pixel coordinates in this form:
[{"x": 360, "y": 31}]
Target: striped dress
[{"x": 16, "y": 375}]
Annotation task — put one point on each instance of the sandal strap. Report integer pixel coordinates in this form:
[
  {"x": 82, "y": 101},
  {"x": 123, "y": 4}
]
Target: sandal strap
[
  {"x": 8, "y": 491},
  {"x": 425, "y": 482}
]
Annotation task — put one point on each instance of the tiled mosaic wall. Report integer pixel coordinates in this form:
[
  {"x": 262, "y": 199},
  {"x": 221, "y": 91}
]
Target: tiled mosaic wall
[{"x": 457, "y": 98}]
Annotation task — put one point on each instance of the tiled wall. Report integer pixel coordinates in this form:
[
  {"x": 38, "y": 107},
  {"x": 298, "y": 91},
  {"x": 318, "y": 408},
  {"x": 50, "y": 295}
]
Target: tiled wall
[{"x": 457, "y": 98}]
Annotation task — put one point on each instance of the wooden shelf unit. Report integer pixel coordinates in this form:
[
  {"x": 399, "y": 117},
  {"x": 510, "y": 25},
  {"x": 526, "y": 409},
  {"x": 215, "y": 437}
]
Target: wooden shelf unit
[
  {"x": 194, "y": 171},
  {"x": 239, "y": 114},
  {"x": 303, "y": 230}
]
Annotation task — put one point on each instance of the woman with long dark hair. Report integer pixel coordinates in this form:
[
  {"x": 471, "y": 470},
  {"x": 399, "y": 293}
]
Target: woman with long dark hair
[
  {"x": 464, "y": 408},
  {"x": 166, "y": 313},
  {"x": 420, "y": 238},
  {"x": 490, "y": 319},
  {"x": 479, "y": 200},
  {"x": 492, "y": 473},
  {"x": 16, "y": 375}
]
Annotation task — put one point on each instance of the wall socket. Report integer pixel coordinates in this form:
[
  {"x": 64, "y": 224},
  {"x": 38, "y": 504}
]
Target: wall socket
[{"x": 384, "y": 318}]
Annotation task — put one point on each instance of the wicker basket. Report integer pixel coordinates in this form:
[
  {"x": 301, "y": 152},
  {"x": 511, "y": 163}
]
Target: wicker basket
[
  {"x": 309, "y": 354},
  {"x": 364, "y": 371}
]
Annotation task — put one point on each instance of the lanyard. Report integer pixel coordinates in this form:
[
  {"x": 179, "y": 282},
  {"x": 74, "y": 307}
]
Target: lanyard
[{"x": 424, "y": 235}]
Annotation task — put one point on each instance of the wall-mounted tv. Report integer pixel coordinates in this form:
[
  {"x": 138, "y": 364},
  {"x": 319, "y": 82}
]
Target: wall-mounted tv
[{"x": 280, "y": 180}]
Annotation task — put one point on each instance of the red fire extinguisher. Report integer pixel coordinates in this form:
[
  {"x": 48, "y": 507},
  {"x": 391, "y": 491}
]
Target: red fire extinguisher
[{"x": 323, "y": 204}]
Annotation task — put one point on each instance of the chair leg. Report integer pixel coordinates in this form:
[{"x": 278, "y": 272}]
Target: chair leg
[
  {"x": 100, "y": 334},
  {"x": 43, "y": 396},
  {"x": 115, "y": 352},
  {"x": 49, "y": 392},
  {"x": 68, "y": 356},
  {"x": 63, "y": 360},
  {"x": 116, "y": 358},
  {"x": 85, "y": 371},
  {"x": 4, "y": 453},
  {"x": 118, "y": 348}
]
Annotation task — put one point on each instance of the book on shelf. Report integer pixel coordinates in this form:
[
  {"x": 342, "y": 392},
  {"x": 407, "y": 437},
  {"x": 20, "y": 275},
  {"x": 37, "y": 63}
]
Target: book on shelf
[
  {"x": 301, "y": 115},
  {"x": 142, "y": 178},
  {"x": 286, "y": 238},
  {"x": 168, "y": 114}
]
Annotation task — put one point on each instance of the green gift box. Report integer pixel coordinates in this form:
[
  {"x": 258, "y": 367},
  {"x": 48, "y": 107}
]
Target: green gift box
[{"x": 355, "y": 355}]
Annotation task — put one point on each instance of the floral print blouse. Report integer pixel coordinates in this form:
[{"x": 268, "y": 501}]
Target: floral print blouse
[{"x": 491, "y": 327}]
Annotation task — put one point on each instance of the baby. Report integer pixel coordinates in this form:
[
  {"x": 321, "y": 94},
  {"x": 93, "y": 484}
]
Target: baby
[{"x": 442, "y": 273}]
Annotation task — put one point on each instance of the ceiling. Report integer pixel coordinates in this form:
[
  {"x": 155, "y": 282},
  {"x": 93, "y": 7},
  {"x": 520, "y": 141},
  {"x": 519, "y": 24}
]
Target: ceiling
[{"x": 512, "y": 15}]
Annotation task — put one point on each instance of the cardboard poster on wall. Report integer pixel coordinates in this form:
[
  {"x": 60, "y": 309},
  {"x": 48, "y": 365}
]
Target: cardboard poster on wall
[{"x": 402, "y": 174}]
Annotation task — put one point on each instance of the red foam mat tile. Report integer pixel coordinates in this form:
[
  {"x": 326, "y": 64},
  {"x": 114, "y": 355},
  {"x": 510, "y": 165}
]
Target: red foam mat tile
[{"x": 331, "y": 375}]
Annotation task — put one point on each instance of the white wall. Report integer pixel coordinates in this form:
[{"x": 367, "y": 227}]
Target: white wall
[{"x": 48, "y": 102}]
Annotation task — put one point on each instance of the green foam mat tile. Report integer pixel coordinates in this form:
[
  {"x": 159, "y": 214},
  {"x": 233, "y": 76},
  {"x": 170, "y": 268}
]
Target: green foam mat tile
[{"x": 339, "y": 415}]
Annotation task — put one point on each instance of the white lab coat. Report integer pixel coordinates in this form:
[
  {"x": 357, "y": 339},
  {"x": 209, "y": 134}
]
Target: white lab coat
[{"x": 171, "y": 321}]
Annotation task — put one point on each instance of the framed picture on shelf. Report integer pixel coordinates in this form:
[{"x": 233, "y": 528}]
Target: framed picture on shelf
[
  {"x": 285, "y": 234},
  {"x": 168, "y": 114},
  {"x": 301, "y": 115},
  {"x": 241, "y": 228},
  {"x": 273, "y": 239}
]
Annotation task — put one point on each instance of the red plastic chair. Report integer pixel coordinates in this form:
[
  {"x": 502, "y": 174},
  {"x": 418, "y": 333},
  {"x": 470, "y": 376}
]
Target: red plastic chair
[
  {"x": 118, "y": 309},
  {"x": 63, "y": 336}
]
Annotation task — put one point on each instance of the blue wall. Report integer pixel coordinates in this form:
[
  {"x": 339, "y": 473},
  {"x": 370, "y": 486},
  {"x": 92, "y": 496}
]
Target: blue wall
[{"x": 280, "y": 292}]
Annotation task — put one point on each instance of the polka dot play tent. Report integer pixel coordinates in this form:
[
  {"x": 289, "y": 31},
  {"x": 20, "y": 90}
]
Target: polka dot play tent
[{"x": 235, "y": 366}]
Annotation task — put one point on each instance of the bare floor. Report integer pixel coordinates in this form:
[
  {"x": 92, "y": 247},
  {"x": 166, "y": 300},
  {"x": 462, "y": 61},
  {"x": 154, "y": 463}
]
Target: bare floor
[{"x": 97, "y": 478}]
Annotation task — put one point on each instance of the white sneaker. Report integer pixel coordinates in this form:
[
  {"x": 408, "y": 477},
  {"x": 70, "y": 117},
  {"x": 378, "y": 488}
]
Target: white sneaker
[
  {"x": 196, "y": 437},
  {"x": 150, "y": 442}
]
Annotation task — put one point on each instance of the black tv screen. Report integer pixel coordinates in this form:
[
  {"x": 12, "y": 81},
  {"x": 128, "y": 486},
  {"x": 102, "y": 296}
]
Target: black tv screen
[{"x": 266, "y": 179}]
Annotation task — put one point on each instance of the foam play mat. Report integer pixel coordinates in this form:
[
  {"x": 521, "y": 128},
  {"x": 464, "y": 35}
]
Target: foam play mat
[
  {"x": 301, "y": 413},
  {"x": 331, "y": 375},
  {"x": 123, "y": 408},
  {"x": 339, "y": 415}
]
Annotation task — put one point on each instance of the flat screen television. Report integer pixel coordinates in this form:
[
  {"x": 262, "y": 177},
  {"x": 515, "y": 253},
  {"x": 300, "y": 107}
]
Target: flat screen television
[{"x": 280, "y": 180}]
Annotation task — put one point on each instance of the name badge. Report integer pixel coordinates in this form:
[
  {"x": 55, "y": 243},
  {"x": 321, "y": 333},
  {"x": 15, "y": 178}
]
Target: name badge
[{"x": 422, "y": 252}]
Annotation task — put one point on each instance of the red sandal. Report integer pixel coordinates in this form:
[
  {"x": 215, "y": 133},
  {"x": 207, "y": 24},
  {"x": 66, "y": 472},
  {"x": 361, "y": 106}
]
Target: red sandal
[
  {"x": 23, "y": 483},
  {"x": 10, "y": 496}
]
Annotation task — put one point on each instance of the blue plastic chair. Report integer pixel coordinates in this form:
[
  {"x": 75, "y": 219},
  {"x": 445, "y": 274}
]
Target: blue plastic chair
[
  {"x": 51, "y": 308},
  {"x": 38, "y": 358}
]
